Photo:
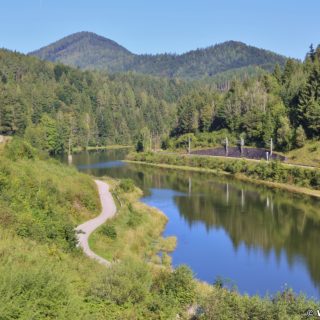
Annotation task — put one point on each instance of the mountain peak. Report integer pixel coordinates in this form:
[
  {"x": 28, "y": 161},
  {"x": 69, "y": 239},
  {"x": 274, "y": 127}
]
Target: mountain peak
[
  {"x": 88, "y": 50},
  {"x": 82, "y": 49}
]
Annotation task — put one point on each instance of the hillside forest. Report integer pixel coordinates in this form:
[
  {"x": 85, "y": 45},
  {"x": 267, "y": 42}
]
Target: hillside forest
[
  {"x": 89, "y": 51},
  {"x": 56, "y": 107}
]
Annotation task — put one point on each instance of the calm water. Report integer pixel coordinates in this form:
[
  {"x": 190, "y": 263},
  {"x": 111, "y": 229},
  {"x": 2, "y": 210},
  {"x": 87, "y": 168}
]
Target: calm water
[{"x": 260, "y": 239}]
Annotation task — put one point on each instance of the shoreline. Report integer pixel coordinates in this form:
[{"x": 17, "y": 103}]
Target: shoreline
[
  {"x": 273, "y": 185},
  {"x": 152, "y": 219},
  {"x": 110, "y": 147}
]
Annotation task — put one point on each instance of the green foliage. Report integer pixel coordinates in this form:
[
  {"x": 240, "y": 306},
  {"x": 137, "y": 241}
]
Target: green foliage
[
  {"x": 144, "y": 140},
  {"x": 44, "y": 199},
  {"x": 299, "y": 137},
  {"x": 128, "y": 282},
  {"x": 284, "y": 134},
  {"x": 134, "y": 217},
  {"x": 224, "y": 304},
  {"x": 110, "y": 231},
  {"x": 273, "y": 171},
  {"x": 309, "y": 101},
  {"x": 55, "y": 105},
  {"x": 19, "y": 149},
  {"x": 33, "y": 286},
  {"x": 181, "y": 285},
  {"x": 127, "y": 185}
]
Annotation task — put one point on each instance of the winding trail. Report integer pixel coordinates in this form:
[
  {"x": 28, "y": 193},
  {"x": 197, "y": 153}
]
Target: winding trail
[{"x": 84, "y": 230}]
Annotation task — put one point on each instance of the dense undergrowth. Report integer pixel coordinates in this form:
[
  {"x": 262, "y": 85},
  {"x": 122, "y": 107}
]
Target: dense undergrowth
[{"x": 42, "y": 199}]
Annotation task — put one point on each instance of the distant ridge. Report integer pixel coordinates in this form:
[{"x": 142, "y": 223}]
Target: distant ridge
[{"x": 88, "y": 50}]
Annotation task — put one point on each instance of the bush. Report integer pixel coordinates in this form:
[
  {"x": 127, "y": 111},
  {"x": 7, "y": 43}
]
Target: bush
[
  {"x": 127, "y": 282},
  {"x": 127, "y": 185},
  {"x": 135, "y": 217},
  {"x": 315, "y": 180},
  {"x": 181, "y": 285},
  {"x": 109, "y": 231},
  {"x": 18, "y": 149}
]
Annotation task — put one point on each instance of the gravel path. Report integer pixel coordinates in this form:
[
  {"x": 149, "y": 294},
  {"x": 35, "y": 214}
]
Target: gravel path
[{"x": 108, "y": 211}]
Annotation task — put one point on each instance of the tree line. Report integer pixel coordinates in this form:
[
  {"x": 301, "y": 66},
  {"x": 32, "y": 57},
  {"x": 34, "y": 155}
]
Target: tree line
[
  {"x": 283, "y": 105},
  {"x": 56, "y": 107},
  {"x": 52, "y": 105}
]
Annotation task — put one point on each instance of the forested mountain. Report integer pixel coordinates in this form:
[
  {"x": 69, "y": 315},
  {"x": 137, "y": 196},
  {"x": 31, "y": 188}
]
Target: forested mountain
[
  {"x": 90, "y": 51},
  {"x": 52, "y": 104},
  {"x": 86, "y": 50}
]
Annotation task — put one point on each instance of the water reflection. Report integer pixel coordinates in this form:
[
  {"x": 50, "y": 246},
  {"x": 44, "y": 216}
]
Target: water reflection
[{"x": 258, "y": 237}]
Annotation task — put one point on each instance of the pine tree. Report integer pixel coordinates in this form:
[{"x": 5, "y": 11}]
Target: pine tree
[
  {"x": 277, "y": 73},
  {"x": 309, "y": 103},
  {"x": 311, "y": 52}
]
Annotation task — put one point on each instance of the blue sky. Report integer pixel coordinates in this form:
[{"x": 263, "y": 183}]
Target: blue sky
[{"x": 146, "y": 26}]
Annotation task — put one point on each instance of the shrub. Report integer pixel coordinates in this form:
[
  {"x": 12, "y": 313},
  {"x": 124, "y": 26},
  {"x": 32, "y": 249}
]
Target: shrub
[
  {"x": 135, "y": 217},
  {"x": 109, "y": 231},
  {"x": 181, "y": 285},
  {"x": 127, "y": 185},
  {"x": 124, "y": 283},
  {"x": 315, "y": 180},
  {"x": 19, "y": 149}
]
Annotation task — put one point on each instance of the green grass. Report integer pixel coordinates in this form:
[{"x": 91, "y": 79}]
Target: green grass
[
  {"x": 308, "y": 155},
  {"x": 135, "y": 231}
]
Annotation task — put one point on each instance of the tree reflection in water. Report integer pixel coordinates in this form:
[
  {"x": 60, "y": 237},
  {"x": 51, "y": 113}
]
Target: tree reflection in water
[{"x": 260, "y": 218}]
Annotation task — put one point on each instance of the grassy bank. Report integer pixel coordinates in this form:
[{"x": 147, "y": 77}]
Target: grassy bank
[
  {"x": 274, "y": 174},
  {"x": 308, "y": 155},
  {"x": 42, "y": 199},
  {"x": 135, "y": 231},
  {"x": 94, "y": 148}
]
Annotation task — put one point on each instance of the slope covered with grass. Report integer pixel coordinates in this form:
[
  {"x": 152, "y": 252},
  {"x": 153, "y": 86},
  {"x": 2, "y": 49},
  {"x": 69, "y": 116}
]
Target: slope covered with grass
[
  {"x": 42, "y": 199},
  {"x": 44, "y": 276}
]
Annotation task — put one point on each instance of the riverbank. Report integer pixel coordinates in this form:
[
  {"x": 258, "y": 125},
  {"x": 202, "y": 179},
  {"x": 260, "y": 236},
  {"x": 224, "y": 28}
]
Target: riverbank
[
  {"x": 96, "y": 148},
  {"x": 135, "y": 231},
  {"x": 273, "y": 174}
]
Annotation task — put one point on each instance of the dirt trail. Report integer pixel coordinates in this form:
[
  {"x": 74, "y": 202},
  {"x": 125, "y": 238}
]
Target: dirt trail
[{"x": 108, "y": 211}]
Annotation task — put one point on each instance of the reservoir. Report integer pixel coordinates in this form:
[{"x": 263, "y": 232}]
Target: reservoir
[{"x": 259, "y": 239}]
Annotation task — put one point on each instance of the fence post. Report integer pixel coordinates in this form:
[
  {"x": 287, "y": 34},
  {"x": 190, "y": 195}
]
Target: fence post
[{"x": 227, "y": 145}]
